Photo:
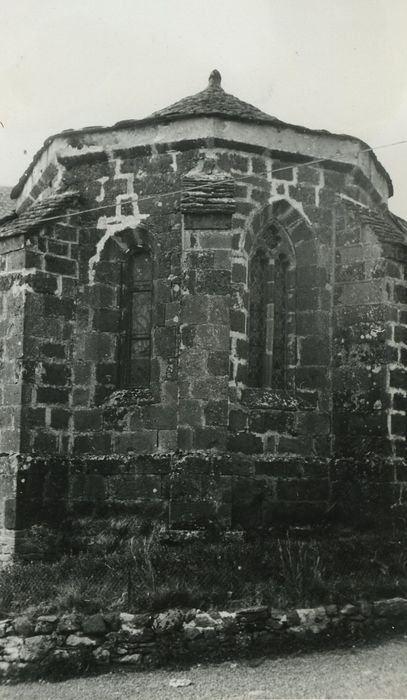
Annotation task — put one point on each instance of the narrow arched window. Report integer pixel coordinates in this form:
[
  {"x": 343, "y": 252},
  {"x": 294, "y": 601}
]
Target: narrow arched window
[
  {"x": 279, "y": 322},
  {"x": 136, "y": 309},
  {"x": 259, "y": 293},
  {"x": 268, "y": 313}
]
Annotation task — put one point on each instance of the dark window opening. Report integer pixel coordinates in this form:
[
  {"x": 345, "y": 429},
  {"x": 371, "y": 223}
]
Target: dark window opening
[
  {"x": 259, "y": 272},
  {"x": 279, "y": 348},
  {"x": 136, "y": 309},
  {"x": 268, "y": 320}
]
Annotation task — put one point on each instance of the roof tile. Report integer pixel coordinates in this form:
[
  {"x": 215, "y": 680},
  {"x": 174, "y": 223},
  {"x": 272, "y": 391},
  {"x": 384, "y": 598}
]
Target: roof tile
[
  {"x": 35, "y": 215},
  {"x": 214, "y": 101}
]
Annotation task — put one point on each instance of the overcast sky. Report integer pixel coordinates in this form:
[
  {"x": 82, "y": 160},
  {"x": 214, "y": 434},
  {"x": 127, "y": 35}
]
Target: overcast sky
[{"x": 339, "y": 65}]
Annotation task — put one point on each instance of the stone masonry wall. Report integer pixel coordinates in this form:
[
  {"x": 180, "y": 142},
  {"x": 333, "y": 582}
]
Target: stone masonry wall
[
  {"x": 200, "y": 314},
  {"x": 44, "y": 645},
  {"x": 192, "y": 490},
  {"x": 347, "y": 388}
]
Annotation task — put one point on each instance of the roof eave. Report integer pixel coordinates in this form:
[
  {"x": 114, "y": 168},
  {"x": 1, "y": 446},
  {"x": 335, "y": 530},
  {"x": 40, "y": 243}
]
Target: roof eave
[{"x": 166, "y": 119}]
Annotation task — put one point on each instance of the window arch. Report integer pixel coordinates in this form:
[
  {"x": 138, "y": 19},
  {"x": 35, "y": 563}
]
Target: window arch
[
  {"x": 136, "y": 299},
  {"x": 269, "y": 311}
]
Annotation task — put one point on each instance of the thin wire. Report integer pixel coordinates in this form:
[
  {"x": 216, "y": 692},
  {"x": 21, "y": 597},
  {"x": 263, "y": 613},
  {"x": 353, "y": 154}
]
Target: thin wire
[{"x": 218, "y": 182}]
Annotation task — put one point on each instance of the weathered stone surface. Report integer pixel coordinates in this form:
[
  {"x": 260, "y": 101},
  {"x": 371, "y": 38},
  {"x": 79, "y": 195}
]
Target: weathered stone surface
[
  {"x": 46, "y": 624},
  {"x": 101, "y": 656},
  {"x": 205, "y": 620},
  {"x": 349, "y": 610},
  {"x": 254, "y": 614},
  {"x": 314, "y": 620},
  {"x": 36, "y": 648},
  {"x": 5, "y": 627},
  {"x": 331, "y": 610},
  {"x": 127, "y": 618},
  {"x": 69, "y": 623},
  {"x": 168, "y": 621},
  {"x": 191, "y": 630},
  {"x": 93, "y": 625},
  {"x": 11, "y": 647},
  {"x": 74, "y": 640},
  {"x": 321, "y": 382},
  {"x": 394, "y": 607},
  {"x": 216, "y": 633},
  {"x": 23, "y": 625},
  {"x": 130, "y": 659}
]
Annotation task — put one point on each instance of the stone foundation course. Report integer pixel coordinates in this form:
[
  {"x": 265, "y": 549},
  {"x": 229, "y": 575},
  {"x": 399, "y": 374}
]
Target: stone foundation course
[{"x": 73, "y": 643}]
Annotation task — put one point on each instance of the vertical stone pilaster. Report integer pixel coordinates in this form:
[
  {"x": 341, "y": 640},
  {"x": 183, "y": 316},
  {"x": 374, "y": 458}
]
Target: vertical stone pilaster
[{"x": 207, "y": 206}]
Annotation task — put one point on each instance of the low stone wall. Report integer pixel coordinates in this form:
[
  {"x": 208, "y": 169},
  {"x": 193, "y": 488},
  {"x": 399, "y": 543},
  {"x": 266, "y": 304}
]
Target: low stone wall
[{"x": 43, "y": 645}]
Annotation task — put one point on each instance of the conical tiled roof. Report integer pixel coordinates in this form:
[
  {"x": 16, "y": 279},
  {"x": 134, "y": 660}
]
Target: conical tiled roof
[{"x": 213, "y": 101}]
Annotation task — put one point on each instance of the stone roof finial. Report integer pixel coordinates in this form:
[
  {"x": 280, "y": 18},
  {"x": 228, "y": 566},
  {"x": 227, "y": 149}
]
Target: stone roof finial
[{"x": 215, "y": 79}]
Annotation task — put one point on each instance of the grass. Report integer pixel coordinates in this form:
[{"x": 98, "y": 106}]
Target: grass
[{"x": 126, "y": 570}]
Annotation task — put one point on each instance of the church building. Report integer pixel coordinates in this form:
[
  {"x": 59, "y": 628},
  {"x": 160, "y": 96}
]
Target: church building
[{"x": 203, "y": 320}]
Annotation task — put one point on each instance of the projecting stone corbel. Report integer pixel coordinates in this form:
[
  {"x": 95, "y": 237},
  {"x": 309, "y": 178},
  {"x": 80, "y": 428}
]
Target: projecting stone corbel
[{"x": 208, "y": 197}]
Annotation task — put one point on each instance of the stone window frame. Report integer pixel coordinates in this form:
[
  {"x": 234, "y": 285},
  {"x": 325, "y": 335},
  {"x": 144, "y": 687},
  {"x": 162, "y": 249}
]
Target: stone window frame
[
  {"x": 273, "y": 242},
  {"x": 121, "y": 248}
]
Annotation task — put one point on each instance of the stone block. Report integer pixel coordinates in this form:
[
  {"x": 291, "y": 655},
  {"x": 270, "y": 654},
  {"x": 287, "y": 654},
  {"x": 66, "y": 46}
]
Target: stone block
[
  {"x": 185, "y": 438},
  {"x": 45, "y": 442},
  {"x": 23, "y": 625},
  {"x": 140, "y": 441},
  {"x": 55, "y": 374},
  {"x": 194, "y": 309},
  {"x": 218, "y": 363},
  {"x": 106, "y": 320},
  {"x": 398, "y": 379},
  {"x": 312, "y": 423},
  {"x": 218, "y": 309},
  {"x": 213, "y": 282},
  {"x": 97, "y": 443},
  {"x": 216, "y": 412},
  {"x": 191, "y": 412},
  {"x": 60, "y": 266},
  {"x": 400, "y": 334},
  {"x": 391, "y": 608},
  {"x": 160, "y": 417},
  {"x": 398, "y": 424},
  {"x": 237, "y": 321},
  {"x": 303, "y": 489},
  {"x": 278, "y": 421},
  {"x": 167, "y": 440},
  {"x": 212, "y": 336},
  {"x": 239, "y": 273},
  {"x": 87, "y": 419},
  {"x": 74, "y": 640},
  {"x": 93, "y": 625},
  {"x": 69, "y": 622},
  {"x": 314, "y": 350},
  {"x": 301, "y": 445},
  {"x": 98, "y": 347},
  {"x": 242, "y": 349},
  {"x": 207, "y": 387},
  {"x": 210, "y": 437},
  {"x": 165, "y": 342},
  {"x": 192, "y": 514},
  {"x": 129, "y": 487},
  {"x": 36, "y": 648},
  {"x": 400, "y": 294},
  {"x": 51, "y": 395},
  {"x": 53, "y": 350},
  {"x": 245, "y": 442},
  {"x": 237, "y": 420}
]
